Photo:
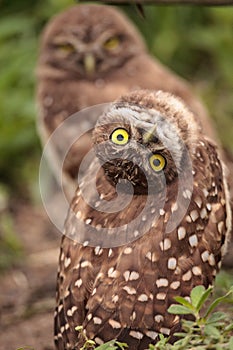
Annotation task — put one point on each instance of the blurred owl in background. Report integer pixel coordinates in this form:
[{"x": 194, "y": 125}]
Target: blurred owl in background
[{"x": 91, "y": 54}]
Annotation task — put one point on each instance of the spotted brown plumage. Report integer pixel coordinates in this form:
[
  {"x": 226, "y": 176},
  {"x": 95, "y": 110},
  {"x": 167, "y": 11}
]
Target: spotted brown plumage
[{"x": 123, "y": 291}]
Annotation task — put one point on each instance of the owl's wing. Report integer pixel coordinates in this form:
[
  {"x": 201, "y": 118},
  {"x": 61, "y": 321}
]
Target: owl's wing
[{"x": 76, "y": 275}]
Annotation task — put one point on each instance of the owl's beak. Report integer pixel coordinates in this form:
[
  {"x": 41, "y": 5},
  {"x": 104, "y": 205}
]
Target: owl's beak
[
  {"x": 149, "y": 135},
  {"x": 89, "y": 63}
]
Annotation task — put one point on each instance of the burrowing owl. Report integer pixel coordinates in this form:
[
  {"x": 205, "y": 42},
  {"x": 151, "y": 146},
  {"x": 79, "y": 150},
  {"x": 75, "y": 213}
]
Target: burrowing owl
[
  {"x": 92, "y": 54},
  {"x": 128, "y": 249}
]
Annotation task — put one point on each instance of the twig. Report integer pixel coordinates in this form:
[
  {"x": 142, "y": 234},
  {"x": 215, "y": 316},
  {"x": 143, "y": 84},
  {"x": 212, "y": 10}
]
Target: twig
[{"x": 166, "y": 2}]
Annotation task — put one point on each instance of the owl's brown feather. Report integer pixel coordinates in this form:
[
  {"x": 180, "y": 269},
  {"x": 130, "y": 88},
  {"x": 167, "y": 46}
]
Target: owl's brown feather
[{"x": 124, "y": 292}]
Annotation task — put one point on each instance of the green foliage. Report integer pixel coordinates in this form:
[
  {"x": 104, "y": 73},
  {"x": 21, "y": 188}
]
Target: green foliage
[
  {"x": 90, "y": 344},
  {"x": 196, "y": 42},
  {"x": 20, "y": 25},
  {"x": 10, "y": 246},
  {"x": 209, "y": 329},
  {"x": 112, "y": 345}
]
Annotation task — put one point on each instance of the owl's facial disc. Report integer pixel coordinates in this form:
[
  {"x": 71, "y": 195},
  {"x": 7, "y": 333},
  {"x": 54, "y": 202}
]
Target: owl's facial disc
[
  {"x": 123, "y": 158},
  {"x": 89, "y": 58},
  {"x": 89, "y": 54}
]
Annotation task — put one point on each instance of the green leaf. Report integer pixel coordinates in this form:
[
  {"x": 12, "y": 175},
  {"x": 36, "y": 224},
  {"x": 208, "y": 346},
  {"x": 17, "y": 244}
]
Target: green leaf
[
  {"x": 112, "y": 345},
  {"x": 196, "y": 295},
  {"x": 122, "y": 345},
  {"x": 229, "y": 327},
  {"x": 184, "y": 302},
  {"x": 179, "y": 310},
  {"x": 216, "y": 317},
  {"x": 212, "y": 332},
  {"x": 203, "y": 298}
]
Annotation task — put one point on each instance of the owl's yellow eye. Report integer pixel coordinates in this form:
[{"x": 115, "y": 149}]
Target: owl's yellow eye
[
  {"x": 157, "y": 162},
  {"x": 66, "y": 47},
  {"x": 111, "y": 43},
  {"x": 120, "y": 137}
]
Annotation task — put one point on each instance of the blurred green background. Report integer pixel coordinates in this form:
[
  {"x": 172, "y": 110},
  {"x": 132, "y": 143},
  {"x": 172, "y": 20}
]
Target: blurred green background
[{"x": 196, "y": 42}]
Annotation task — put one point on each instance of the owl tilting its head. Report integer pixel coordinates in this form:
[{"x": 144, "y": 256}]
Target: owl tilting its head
[
  {"x": 119, "y": 275},
  {"x": 92, "y": 54}
]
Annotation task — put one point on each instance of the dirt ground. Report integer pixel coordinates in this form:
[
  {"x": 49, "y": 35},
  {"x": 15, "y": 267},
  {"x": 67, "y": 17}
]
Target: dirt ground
[{"x": 27, "y": 292}]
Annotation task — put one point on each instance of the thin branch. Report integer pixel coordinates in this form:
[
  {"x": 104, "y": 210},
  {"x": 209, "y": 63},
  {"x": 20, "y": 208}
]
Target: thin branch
[{"x": 166, "y": 2}]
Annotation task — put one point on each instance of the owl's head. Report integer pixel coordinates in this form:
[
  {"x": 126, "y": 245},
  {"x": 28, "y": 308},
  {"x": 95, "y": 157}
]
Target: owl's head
[
  {"x": 146, "y": 136},
  {"x": 88, "y": 41}
]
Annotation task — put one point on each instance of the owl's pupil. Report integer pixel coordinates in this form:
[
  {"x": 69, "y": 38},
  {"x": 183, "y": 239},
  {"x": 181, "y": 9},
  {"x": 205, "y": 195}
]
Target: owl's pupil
[
  {"x": 120, "y": 137},
  {"x": 156, "y": 162}
]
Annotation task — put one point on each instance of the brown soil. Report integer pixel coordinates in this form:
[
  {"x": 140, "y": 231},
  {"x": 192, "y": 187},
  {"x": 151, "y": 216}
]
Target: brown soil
[{"x": 27, "y": 291}]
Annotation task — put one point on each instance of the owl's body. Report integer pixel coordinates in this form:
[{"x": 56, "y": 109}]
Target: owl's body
[
  {"x": 92, "y": 54},
  {"x": 121, "y": 288}
]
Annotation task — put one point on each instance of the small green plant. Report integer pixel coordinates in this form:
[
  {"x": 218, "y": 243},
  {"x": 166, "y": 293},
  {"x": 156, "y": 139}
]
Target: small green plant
[
  {"x": 210, "y": 330},
  {"x": 90, "y": 344}
]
